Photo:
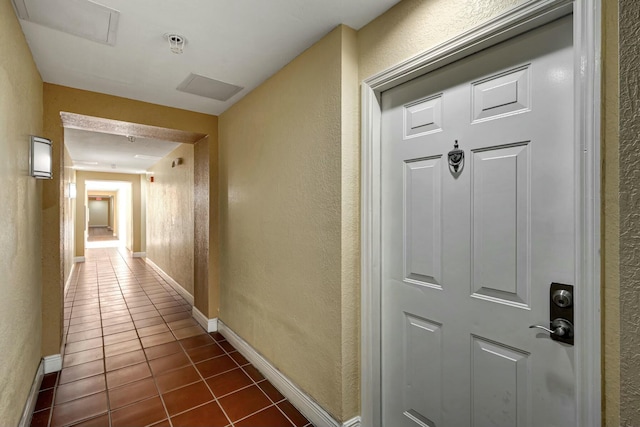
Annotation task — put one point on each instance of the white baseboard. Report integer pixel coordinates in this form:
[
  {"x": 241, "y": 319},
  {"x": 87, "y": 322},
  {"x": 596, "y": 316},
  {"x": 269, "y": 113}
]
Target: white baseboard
[
  {"x": 30, "y": 404},
  {"x": 52, "y": 363},
  {"x": 175, "y": 285},
  {"x": 353, "y": 422},
  {"x": 139, "y": 254},
  {"x": 211, "y": 325},
  {"x": 79, "y": 259},
  {"x": 302, "y": 401}
]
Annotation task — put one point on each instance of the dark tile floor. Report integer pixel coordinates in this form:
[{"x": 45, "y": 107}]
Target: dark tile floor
[{"x": 135, "y": 357}]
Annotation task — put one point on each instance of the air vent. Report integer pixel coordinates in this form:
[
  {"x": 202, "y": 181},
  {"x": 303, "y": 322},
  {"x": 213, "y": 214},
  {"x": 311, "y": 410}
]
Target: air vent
[
  {"x": 209, "y": 88},
  {"x": 81, "y": 18}
]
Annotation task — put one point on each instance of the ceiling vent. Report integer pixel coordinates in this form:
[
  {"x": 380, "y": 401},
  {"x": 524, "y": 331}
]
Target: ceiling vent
[
  {"x": 209, "y": 88},
  {"x": 81, "y": 18}
]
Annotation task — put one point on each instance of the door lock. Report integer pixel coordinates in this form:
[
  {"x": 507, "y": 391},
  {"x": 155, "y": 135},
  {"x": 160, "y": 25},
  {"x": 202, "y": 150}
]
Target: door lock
[
  {"x": 562, "y": 298},
  {"x": 560, "y": 314},
  {"x": 559, "y": 327}
]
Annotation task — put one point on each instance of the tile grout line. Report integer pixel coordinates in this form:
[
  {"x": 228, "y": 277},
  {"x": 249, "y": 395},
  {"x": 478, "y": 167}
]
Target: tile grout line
[
  {"x": 64, "y": 350},
  {"x": 153, "y": 376},
  {"x": 104, "y": 350},
  {"x": 215, "y": 399},
  {"x": 135, "y": 276},
  {"x": 256, "y": 383}
]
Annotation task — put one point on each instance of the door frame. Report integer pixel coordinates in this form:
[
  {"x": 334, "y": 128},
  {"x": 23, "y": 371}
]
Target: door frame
[{"x": 531, "y": 14}]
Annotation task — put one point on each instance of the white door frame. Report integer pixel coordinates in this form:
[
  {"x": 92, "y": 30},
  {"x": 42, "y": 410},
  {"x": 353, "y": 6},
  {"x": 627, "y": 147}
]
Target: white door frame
[{"x": 531, "y": 14}]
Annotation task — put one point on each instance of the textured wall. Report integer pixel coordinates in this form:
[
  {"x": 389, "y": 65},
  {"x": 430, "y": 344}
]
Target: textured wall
[
  {"x": 170, "y": 237},
  {"x": 350, "y": 222},
  {"x": 143, "y": 209},
  {"x": 201, "y": 253},
  {"x": 413, "y": 26},
  {"x": 20, "y": 223},
  {"x": 630, "y": 212},
  {"x": 64, "y": 99},
  {"x": 280, "y": 207}
]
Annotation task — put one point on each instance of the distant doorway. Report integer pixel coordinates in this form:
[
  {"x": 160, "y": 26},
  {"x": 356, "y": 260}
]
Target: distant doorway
[
  {"x": 108, "y": 216},
  {"x": 102, "y": 219}
]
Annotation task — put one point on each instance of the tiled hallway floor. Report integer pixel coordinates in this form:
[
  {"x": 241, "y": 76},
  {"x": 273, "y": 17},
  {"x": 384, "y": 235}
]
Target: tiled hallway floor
[{"x": 135, "y": 357}]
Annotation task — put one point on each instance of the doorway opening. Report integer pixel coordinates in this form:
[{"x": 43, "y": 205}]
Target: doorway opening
[{"x": 108, "y": 219}]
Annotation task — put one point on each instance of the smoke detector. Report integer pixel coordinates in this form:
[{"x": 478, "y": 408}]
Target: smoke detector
[{"x": 176, "y": 42}]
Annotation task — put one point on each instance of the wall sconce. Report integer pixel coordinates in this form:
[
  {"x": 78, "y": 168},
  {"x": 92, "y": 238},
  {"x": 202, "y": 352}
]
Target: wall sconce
[
  {"x": 40, "y": 161},
  {"x": 73, "y": 192},
  {"x": 176, "y": 162}
]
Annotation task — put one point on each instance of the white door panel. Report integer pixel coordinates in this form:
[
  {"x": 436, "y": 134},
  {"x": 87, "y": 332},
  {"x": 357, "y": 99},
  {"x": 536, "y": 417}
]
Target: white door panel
[{"x": 468, "y": 257}]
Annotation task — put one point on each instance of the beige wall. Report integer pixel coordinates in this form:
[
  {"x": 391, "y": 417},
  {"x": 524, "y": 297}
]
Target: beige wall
[
  {"x": 69, "y": 216},
  {"x": 63, "y": 99},
  {"x": 20, "y": 223},
  {"x": 170, "y": 236},
  {"x": 99, "y": 212},
  {"x": 610, "y": 218},
  {"x": 281, "y": 151},
  {"x": 629, "y": 213},
  {"x": 413, "y": 26},
  {"x": 143, "y": 209},
  {"x": 201, "y": 253},
  {"x": 350, "y": 223}
]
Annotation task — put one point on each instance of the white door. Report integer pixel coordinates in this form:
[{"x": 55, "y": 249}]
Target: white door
[{"x": 468, "y": 257}]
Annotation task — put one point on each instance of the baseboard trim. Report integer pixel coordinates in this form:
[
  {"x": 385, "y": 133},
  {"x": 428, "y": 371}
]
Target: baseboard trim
[
  {"x": 305, "y": 404},
  {"x": 211, "y": 325},
  {"x": 139, "y": 254},
  {"x": 52, "y": 363},
  {"x": 79, "y": 259},
  {"x": 353, "y": 422},
  {"x": 175, "y": 285},
  {"x": 30, "y": 404}
]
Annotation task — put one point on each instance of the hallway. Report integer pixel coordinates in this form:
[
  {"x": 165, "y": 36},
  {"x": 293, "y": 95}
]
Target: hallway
[
  {"x": 99, "y": 234},
  {"x": 134, "y": 356}
]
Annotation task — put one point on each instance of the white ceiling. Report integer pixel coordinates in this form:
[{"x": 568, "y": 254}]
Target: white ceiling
[
  {"x": 106, "y": 150},
  {"x": 241, "y": 42}
]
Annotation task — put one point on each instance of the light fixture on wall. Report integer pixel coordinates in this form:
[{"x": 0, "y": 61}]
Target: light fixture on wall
[
  {"x": 176, "y": 162},
  {"x": 176, "y": 42},
  {"x": 40, "y": 159}
]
